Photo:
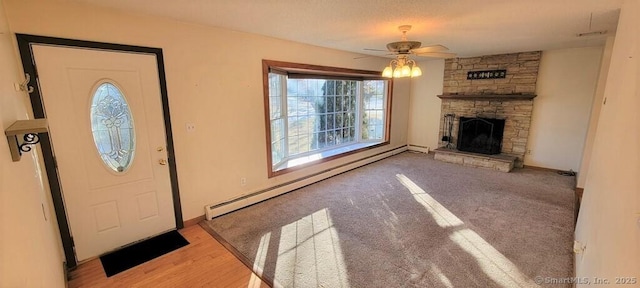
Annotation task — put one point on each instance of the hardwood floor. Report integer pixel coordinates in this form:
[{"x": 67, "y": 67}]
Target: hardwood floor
[{"x": 202, "y": 263}]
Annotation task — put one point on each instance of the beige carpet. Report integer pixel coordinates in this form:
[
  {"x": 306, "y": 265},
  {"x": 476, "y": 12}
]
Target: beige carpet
[{"x": 411, "y": 221}]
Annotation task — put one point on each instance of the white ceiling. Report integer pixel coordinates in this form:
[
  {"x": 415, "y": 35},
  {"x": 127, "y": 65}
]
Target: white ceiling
[{"x": 467, "y": 27}]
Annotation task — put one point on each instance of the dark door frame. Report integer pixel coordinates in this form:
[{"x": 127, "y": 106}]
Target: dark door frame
[{"x": 25, "y": 43}]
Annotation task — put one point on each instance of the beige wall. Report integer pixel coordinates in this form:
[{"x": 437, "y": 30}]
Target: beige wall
[
  {"x": 566, "y": 85},
  {"x": 595, "y": 112},
  {"x": 30, "y": 253},
  {"x": 214, "y": 81},
  {"x": 609, "y": 221},
  {"x": 424, "y": 110}
]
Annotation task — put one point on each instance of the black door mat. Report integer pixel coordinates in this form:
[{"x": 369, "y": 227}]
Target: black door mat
[{"x": 136, "y": 254}]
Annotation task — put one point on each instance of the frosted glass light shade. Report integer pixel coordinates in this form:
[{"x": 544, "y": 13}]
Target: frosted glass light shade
[
  {"x": 397, "y": 73},
  {"x": 406, "y": 71},
  {"x": 415, "y": 72},
  {"x": 387, "y": 72}
]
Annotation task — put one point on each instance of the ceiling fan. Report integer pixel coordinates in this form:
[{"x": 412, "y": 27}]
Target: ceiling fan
[
  {"x": 402, "y": 66},
  {"x": 406, "y": 47}
]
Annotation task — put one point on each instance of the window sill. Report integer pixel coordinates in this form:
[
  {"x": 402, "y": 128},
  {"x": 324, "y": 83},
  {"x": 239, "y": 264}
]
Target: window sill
[{"x": 302, "y": 161}]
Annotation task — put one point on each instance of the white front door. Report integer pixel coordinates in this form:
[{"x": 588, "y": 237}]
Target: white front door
[{"x": 107, "y": 131}]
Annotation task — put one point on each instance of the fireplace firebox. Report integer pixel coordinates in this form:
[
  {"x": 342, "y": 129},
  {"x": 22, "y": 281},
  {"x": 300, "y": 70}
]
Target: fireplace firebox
[{"x": 480, "y": 135}]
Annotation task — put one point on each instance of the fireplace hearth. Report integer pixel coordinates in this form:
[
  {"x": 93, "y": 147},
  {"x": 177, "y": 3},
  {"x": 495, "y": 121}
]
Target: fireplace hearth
[{"x": 480, "y": 135}]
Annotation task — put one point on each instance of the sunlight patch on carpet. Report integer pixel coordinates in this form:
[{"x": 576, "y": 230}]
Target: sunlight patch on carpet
[
  {"x": 494, "y": 264},
  {"x": 490, "y": 260},
  {"x": 435, "y": 271},
  {"x": 443, "y": 217},
  {"x": 261, "y": 254},
  {"x": 309, "y": 253}
]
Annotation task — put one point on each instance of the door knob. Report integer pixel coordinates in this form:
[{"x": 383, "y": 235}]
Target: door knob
[{"x": 162, "y": 162}]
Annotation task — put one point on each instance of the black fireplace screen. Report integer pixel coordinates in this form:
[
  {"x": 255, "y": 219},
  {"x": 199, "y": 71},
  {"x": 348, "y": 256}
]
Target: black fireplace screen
[{"x": 480, "y": 135}]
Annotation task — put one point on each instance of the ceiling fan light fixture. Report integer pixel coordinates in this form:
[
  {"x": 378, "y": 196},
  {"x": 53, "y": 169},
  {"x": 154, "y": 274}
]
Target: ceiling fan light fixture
[{"x": 402, "y": 67}]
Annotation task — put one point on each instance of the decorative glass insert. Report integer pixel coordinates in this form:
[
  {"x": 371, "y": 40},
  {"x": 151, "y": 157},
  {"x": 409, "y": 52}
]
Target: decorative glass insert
[{"x": 112, "y": 127}]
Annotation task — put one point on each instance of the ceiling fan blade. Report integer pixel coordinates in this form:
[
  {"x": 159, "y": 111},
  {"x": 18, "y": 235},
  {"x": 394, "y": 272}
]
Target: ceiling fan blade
[
  {"x": 437, "y": 55},
  {"x": 430, "y": 48},
  {"x": 367, "y": 56},
  {"x": 370, "y": 49}
]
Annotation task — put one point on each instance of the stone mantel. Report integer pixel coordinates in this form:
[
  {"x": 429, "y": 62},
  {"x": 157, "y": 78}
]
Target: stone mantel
[{"x": 488, "y": 96}]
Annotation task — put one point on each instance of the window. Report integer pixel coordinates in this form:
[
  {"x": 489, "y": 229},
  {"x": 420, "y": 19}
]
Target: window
[
  {"x": 317, "y": 112},
  {"x": 112, "y": 127}
]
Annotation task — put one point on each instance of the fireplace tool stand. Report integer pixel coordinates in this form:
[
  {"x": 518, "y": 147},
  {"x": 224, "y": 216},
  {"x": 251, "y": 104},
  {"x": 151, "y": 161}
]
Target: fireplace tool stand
[{"x": 448, "y": 129}]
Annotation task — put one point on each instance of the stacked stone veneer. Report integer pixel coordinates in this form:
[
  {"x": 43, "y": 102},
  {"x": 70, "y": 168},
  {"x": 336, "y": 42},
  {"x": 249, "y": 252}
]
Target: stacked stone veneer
[
  {"x": 506, "y": 98},
  {"x": 522, "y": 73}
]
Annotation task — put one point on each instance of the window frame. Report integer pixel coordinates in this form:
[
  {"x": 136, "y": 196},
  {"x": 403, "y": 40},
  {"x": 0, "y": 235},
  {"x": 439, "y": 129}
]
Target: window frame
[{"x": 297, "y": 70}]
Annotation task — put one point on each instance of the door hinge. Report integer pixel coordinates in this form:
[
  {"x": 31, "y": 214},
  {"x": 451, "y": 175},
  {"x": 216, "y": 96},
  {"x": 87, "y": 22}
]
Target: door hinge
[{"x": 55, "y": 162}]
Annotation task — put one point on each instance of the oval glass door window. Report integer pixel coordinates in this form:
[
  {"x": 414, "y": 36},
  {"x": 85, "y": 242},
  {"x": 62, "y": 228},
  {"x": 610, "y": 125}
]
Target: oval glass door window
[{"x": 112, "y": 127}]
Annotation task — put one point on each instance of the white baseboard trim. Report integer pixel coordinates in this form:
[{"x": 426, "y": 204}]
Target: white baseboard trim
[{"x": 214, "y": 210}]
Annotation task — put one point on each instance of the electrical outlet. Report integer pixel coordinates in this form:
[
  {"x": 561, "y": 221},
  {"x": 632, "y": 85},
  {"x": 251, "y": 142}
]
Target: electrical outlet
[
  {"x": 529, "y": 152},
  {"x": 243, "y": 181},
  {"x": 578, "y": 247},
  {"x": 190, "y": 127}
]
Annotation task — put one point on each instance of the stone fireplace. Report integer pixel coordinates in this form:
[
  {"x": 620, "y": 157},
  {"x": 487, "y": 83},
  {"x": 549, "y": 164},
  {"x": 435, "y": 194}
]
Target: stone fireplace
[{"x": 480, "y": 105}]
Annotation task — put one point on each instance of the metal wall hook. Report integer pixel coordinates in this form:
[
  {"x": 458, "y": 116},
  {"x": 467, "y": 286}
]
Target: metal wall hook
[{"x": 24, "y": 85}]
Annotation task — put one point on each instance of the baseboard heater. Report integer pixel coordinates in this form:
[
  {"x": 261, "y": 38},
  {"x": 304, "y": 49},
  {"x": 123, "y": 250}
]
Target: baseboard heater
[
  {"x": 215, "y": 210},
  {"x": 418, "y": 148}
]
